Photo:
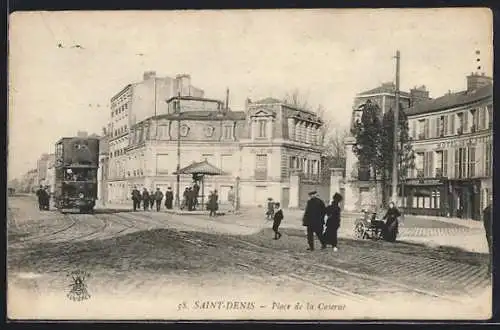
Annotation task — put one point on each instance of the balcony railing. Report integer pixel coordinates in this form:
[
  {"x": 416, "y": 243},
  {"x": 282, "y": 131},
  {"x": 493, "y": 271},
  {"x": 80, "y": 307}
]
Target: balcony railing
[
  {"x": 421, "y": 136},
  {"x": 460, "y": 131},
  {"x": 420, "y": 173},
  {"x": 260, "y": 174},
  {"x": 439, "y": 173},
  {"x": 473, "y": 129}
]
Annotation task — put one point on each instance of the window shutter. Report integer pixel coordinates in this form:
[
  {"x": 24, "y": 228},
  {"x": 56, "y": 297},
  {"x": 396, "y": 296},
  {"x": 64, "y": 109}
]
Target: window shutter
[
  {"x": 431, "y": 163},
  {"x": 437, "y": 120},
  {"x": 445, "y": 163},
  {"x": 482, "y": 118},
  {"x": 457, "y": 162},
  {"x": 465, "y": 115},
  {"x": 445, "y": 125},
  {"x": 452, "y": 124},
  {"x": 426, "y": 129}
]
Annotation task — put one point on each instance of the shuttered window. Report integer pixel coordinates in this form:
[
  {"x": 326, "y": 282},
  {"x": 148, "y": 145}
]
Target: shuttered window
[
  {"x": 426, "y": 129},
  {"x": 445, "y": 163},
  {"x": 451, "y": 120}
]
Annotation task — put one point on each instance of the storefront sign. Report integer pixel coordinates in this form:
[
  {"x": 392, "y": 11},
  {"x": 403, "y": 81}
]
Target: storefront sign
[
  {"x": 424, "y": 182},
  {"x": 463, "y": 142}
]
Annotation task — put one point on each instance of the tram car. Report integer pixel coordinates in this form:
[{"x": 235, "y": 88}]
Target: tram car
[{"x": 76, "y": 164}]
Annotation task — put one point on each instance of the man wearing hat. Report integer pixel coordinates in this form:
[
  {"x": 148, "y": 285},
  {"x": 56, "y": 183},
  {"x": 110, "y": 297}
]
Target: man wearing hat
[{"x": 314, "y": 220}]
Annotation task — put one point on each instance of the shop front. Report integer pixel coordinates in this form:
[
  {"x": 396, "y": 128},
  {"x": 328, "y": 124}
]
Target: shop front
[
  {"x": 465, "y": 199},
  {"x": 426, "y": 197}
]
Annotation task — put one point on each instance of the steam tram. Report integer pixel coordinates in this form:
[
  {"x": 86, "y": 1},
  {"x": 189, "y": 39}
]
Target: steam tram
[{"x": 76, "y": 164}]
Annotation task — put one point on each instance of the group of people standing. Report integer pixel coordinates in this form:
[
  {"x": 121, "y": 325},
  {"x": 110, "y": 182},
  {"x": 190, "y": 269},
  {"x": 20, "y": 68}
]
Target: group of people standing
[
  {"x": 43, "y": 198},
  {"x": 150, "y": 199},
  {"x": 190, "y": 197}
]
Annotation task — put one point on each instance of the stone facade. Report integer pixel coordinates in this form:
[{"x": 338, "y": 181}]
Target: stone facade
[{"x": 259, "y": 147}]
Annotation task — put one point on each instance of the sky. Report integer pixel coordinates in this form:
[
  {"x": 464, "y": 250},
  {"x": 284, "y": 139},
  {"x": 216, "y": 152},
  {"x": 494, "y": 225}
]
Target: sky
[{"x": 328, "y": 55}]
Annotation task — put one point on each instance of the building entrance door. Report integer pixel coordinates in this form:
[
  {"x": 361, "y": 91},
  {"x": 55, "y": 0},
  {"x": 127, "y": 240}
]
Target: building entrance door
[{"x": 285, "y": 197}]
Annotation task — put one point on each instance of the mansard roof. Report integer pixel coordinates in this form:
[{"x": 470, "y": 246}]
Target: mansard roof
[{"x": 451, "y": 100}]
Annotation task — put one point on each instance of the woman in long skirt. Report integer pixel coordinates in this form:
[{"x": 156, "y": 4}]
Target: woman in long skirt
[{"x": 333, "y": 221}]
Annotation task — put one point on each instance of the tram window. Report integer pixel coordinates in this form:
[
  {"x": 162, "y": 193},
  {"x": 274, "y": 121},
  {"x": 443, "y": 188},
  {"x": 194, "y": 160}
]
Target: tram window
[{"x": 81, "y": 174}]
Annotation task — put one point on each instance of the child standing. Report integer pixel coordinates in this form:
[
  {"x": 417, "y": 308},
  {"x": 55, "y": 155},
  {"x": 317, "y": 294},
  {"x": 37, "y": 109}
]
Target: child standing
[
  {"x": 270, "y": 208},
  {"x": 278, "y": 216}
]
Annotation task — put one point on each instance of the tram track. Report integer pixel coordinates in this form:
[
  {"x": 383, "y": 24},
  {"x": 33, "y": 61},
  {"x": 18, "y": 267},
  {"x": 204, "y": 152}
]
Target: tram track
[{"x": 337, "y": 272}]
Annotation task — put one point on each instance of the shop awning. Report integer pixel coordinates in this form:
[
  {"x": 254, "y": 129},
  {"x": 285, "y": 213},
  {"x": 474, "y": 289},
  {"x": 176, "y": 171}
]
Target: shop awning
[{"x": 203, "y": 167}]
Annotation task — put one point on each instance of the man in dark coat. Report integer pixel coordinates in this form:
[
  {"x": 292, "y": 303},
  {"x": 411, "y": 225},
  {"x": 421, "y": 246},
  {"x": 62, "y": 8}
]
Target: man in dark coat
[
  {"x": 185, "y": 199},
  {"x": 40, "y": 193},
  {"x": 145, "y": 199},
  {"x": 136, "y": 198},
  {"x": 151, "y": 199},
  {"x": 314, "y": 220},
  {"x": 158, "y": 198},
  {"x": 196, "y": 191},
  {"x": 169, "y": 197}
]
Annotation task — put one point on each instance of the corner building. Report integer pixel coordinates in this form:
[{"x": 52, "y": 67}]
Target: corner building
[
  {"x": 453, "y": 145},
  {"x": 258, "y": 149}
]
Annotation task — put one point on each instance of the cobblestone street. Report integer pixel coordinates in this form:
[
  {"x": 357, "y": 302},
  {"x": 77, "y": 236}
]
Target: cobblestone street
[{"x": 179, "y": 261}]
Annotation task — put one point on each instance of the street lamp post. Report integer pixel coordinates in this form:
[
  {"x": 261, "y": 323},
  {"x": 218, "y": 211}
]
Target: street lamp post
[
  {"x": 396, "y": 144},
  {"x": 177, "y": 188}
]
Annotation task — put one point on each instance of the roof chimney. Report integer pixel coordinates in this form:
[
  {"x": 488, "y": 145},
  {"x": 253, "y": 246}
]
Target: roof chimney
[
  {"x": 419, "y": 94},
  {"x": 476, "y": 81}
]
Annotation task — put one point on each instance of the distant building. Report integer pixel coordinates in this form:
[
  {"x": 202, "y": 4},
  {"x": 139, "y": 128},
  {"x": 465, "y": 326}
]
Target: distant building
[
  {"x": 43, "y": 164},
  {"x": 103, "y": 170}
]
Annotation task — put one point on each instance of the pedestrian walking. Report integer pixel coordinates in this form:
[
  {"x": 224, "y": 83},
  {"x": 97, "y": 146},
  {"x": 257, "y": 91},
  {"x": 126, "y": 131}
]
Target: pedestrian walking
[
  {"x": 314, "y": 220},
  {"x": 145, "y": 199},
  {"x": 40, "y": 194},
  {"x": 158, "y": 199},
  {"x": 270, "y": 209},
  {"x": 136, "y": 198},
  {"x": 46, "y": 198},
  {"x": 231, "y": 199},
  {"x": 278, "y": 216},
  {"x": 151, "y": 200},
  {"x": 169, "y": 197},
  {"x": 333, "y": 221},
  {"x": 213, "y": 206}
]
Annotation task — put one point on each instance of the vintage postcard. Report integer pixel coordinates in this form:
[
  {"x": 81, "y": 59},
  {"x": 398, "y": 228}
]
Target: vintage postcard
[{"x": 329, "y": 164}]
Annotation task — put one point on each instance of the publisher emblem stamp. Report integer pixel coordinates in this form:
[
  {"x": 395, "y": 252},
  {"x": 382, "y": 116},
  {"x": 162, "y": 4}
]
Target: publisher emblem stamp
[{"x": 78, "y": 288}]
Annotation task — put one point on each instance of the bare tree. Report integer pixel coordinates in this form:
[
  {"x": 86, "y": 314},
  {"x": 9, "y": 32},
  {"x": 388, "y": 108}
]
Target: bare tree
[
  {"x": 297, "y": 100},
  {"x": 332, "y": 135}
]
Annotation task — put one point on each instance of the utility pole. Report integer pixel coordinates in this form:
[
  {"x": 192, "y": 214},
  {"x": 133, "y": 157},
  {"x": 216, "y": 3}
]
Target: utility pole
[
  {"x": 396, "y": 144},
  {"x": 177, "y": 188}
]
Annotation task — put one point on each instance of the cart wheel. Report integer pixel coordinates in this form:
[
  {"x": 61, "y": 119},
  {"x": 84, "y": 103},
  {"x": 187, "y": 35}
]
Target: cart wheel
[{"x": 359, "y": 231}]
